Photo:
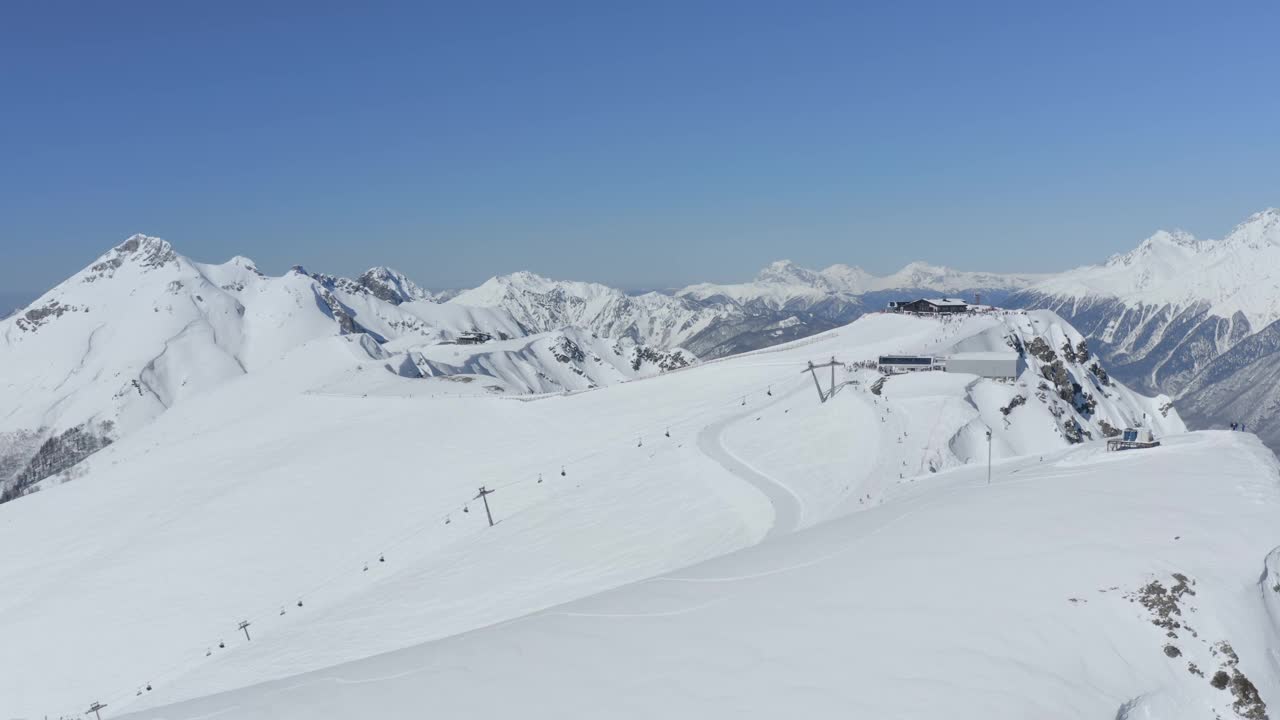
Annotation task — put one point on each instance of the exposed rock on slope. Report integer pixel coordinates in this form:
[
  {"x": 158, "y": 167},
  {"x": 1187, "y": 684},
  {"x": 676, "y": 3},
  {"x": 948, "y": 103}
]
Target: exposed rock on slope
[{"x": 1167, "y": 316}]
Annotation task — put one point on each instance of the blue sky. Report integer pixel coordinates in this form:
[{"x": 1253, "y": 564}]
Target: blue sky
[{"x": 639, "y": 144}]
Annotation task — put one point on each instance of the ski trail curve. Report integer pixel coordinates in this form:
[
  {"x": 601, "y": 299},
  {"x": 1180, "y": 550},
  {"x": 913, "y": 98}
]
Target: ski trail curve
[{"x": 787, "y": 508}]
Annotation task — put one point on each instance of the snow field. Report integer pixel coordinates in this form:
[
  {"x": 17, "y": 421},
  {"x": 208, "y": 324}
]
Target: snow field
[{"x": 956, "y": 600}]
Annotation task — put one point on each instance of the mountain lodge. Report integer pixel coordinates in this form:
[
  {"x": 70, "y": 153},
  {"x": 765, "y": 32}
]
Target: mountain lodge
[{"x": 932, "y": 306}]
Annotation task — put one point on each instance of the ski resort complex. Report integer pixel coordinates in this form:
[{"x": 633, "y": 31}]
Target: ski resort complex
[
  {"x": 383, "y": 478},
  {"x": 640, "y": 361}
]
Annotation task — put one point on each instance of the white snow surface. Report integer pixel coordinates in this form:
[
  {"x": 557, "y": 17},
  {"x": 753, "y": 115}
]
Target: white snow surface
[
  {"x": 1239, "y": 273},
  {"x": 954, "y": 599},
  {"x": 286, "y": 484}
]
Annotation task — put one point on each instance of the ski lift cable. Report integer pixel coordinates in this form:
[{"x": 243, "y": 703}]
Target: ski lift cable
[
  {"x": 605, "y": 448},
  {"x": 419, "y": 528},
  {"x": 415, "y": 531},
  {"x": 610, "y": 446},
  {"x": 404, "y": 537},
  {"x": 185, "y": 662}
]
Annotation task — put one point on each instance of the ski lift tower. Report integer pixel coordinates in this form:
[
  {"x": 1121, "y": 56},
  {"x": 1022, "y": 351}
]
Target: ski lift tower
[{"x": 823, "y": 396}]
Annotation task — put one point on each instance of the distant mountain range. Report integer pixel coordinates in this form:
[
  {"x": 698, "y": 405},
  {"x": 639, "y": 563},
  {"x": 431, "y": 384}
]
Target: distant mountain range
[{"x": 144, "y": 327}]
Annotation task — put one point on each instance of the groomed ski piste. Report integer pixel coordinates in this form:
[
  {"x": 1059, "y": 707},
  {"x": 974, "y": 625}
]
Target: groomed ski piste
[{"x": 711, "y": 542}]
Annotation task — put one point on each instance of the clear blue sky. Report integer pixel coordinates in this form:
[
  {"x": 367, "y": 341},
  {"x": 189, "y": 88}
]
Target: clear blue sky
[{"x": 639, "y": 144}]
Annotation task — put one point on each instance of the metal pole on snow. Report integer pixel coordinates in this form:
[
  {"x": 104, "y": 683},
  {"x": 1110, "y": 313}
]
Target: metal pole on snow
[
  {"x": 988, "y": 457},
  {"x": 484, "y": 495}
]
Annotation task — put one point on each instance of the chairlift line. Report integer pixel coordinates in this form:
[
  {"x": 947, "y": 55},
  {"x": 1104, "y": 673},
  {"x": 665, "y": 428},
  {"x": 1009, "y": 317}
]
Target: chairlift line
[{"x": 244, "y": 625}]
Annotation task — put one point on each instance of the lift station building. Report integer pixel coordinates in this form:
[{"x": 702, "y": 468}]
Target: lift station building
[{"x": 1001, "y": 365}]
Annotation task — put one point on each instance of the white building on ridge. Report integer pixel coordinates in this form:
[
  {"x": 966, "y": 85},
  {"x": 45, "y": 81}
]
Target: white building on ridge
[{"x": 996, "y": 364}]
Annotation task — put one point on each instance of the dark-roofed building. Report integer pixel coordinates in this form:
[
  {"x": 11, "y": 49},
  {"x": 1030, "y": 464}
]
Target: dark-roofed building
[
  {"x": 473, "y": 338},
  {"x": 898, "y": 364},
  {"x": 933, "y": 306}
]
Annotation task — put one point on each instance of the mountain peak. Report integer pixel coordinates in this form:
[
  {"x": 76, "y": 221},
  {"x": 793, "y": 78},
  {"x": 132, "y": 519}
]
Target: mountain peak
[
  {"x": 1260, "y": 229},
  {"x": 148, "y": 252},
  {"x": 788, "y": 273},
  {"x": 146, "y": 247},
  {"x": 391, "y": 285},
  {"x": 920, "y": 268},
  {"x": 1181, "y": 238},
  {"x": 524, "y": 276},
  {"x": 1162, "y": 242}
]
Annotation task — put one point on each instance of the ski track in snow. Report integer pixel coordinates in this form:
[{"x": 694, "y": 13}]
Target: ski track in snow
[
  {"x": 788, "y": 508},
  {"x": 659, "y": 614}
]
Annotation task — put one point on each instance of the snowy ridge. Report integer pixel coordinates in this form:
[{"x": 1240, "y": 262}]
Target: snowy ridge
[
  {"x": 541, "y": 305},
  {"x": 394, "y": 287},
  {"x": 785, "y": 285},
  {"x": 1066, "y": 382},
  {"x": 558, "y": 361}
]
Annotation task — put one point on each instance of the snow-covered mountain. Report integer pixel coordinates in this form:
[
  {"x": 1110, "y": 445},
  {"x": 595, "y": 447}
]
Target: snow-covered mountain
[
  {"x": 1164, "y": 314},
  {"x": 1238, "y": 274},
  {"x": 1242, "y": 385},
  {"x": 392, "y": 286},
  {"x": 330, "y": 502},
  {"x": 144, "y": 328}
]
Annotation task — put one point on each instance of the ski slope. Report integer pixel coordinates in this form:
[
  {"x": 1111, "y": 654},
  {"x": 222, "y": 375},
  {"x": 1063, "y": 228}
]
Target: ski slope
[
  {"x": 330, "y": 480},
  {"x": 955, "y": 600}
]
